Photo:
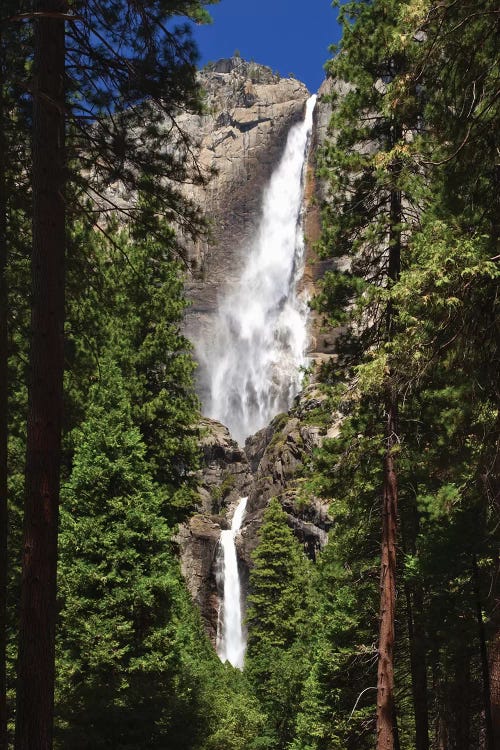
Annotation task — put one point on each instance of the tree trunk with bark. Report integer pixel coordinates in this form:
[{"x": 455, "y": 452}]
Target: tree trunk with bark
[
  {"x": 385, "y": 678},
  {"x": 35, "y": 689}
]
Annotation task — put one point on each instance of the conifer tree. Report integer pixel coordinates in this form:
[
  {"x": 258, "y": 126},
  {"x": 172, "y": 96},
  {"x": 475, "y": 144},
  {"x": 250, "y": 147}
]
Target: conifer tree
[
  {"x": 276, "y": 618},
  {"x": 128, "y": 67},
  {"x": 370, "y": 210},
  {"x": 441, "y": 95},
  {"x": 120, "y": 678}
]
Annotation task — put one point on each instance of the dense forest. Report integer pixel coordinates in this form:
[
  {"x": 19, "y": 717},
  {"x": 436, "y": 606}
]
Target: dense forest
[{"x": 390, "y": 639}]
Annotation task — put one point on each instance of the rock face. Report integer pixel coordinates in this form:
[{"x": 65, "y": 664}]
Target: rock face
[
  {"x": 321, "y": 338},
  {"x": 240, "y": 141},
  {"x": 224, "y": 477},
  {"x": 278, "y": 455},
  {"x": 249, "y": 112},
  {"x": 270, "y": 466}
]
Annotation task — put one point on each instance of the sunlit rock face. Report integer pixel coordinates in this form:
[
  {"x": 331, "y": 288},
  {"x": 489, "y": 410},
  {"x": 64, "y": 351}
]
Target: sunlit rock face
[
  {"x": 244, "y": 136},
  {"x": 249, "y": 112},
  {"x": 224, "y": 476},
  {"x": 252, "y": 362}
]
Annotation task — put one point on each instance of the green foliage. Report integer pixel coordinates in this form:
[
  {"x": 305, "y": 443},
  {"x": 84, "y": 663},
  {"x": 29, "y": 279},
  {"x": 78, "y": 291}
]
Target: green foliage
[
  {"x": 415, "y": 124},
  {"x": 120, "y": 643},
  {"x": 277, "y": 615},
  {"x": 131, "y": 309}
]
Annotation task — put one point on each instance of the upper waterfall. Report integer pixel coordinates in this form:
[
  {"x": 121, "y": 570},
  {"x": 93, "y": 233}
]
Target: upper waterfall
[{"x": 255, "y": 358}]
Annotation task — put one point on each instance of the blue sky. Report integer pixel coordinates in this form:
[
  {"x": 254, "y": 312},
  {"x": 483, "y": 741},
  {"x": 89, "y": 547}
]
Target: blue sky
[{"x": 290, "y": 36}]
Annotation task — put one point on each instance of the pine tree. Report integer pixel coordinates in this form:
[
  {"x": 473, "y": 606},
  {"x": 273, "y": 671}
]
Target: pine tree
[
  {"x": 276, "y": 618},
  {"x": 120, "y": 678},
  {"x": 128, "y": 68},
  {"x": 442, "y": 347},
  {"x": 369, "y": 215}
]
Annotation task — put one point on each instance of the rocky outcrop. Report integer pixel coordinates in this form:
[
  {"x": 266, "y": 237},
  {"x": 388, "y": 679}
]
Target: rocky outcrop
[
  {"x": 225, "y": 475},
  {"x": 223, "y": 478},
  {"x": 271, "y": 465},
  {"x": 249, "y": 112},
  {"x": 278, "y": 455},
  {"x": 322, "y": 338},
  {"x": 197, "y": 542}
]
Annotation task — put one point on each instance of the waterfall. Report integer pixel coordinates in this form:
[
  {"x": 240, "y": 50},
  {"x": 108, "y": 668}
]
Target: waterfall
[
  {"x": 255, "y": 357},
  {"x": 230, "y": 636}
]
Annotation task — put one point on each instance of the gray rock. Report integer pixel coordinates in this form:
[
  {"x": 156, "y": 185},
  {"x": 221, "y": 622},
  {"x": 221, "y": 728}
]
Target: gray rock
[
  {"x": 225, "y": 474},
  {"x": 197, "y": 542},
  {"x": 240, "y": 139}
]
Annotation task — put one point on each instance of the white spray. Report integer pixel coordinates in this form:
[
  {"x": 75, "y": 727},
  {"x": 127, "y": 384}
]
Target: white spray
[
  {"x": 256, "y": 357},
  {"x": 258, "y": 349},
  {"x": 230, "y": 636}
]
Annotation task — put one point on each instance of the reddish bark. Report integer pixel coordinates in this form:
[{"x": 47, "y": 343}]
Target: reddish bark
[
  {"x": 35, "y": 691},
  {"x": 385, "y": 678},
  {"x": 386, "y": 708}
]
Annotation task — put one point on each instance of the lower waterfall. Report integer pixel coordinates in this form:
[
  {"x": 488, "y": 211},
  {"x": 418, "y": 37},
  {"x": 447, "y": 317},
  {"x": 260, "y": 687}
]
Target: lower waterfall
[
  {"x": 257, "y": 352},
  {"x": 230, "y": 635}
]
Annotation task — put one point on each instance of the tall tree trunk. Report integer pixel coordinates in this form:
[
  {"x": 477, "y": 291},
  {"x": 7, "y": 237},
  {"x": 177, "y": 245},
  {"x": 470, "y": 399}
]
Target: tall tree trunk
[
  {"x": 385, "y": 673},
  {"x": 35, "y": 689},
  {"x": 385, "y": 678},
  {"x": 3, "y": 408}
]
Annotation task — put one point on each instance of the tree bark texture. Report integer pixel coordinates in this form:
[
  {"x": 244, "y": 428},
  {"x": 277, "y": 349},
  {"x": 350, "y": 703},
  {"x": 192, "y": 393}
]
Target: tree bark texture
[
  {"x": 3, "y": 408},
  {"x": 385, "y": 677},
  {"x": 35, "y": 689}
]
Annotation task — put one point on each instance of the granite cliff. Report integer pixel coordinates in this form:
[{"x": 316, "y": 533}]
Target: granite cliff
[{"x": 239, "y": 141}]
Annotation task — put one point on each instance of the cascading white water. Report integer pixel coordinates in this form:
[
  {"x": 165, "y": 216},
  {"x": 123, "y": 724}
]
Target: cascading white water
[
  {"x": 230, "y": 636},
  {"x": 255, "y": 357}
]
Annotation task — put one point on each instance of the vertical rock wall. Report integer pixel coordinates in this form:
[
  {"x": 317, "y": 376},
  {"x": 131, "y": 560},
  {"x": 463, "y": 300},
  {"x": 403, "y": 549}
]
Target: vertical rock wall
[{"x": 240, "y": 141}]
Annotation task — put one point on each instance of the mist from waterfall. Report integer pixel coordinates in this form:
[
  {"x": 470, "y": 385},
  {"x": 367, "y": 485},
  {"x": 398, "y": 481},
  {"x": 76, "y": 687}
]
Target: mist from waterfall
[
  {"x": 230, "y": 635},
  {"x": 256, "y": 357},
  {"x": 257, "y": 352}
]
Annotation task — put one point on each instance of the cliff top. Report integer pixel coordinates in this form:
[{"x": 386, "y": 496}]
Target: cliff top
[{"x": 253, "y": 71}]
